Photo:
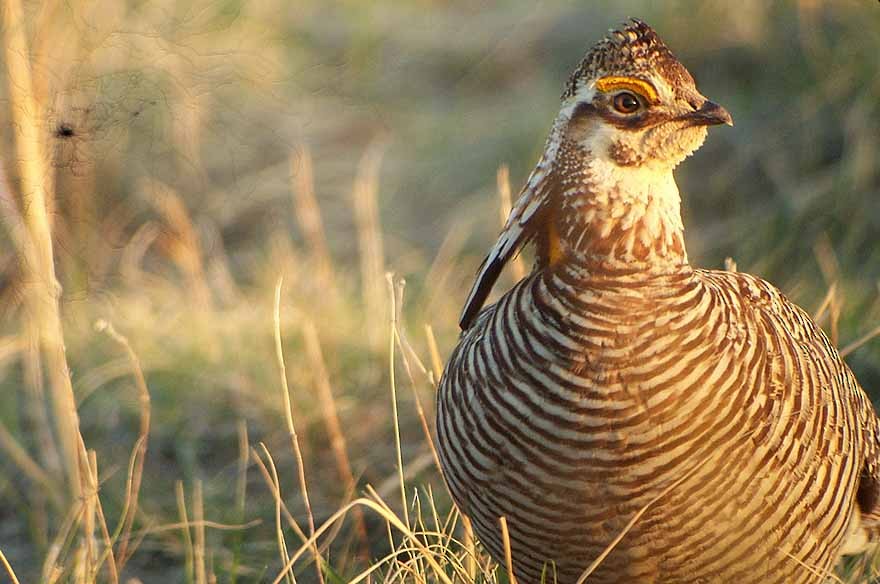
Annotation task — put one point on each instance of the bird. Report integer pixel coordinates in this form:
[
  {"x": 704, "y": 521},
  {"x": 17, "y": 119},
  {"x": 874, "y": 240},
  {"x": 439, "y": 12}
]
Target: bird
[{"x": 633, "y": 418}]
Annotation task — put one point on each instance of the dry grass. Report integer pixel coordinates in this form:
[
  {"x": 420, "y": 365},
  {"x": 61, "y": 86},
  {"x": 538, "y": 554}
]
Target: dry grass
[
  {"x": 35, "y": 243},
  {"x": 144, "y": 326},
  {"x": 294, "y": 442}
]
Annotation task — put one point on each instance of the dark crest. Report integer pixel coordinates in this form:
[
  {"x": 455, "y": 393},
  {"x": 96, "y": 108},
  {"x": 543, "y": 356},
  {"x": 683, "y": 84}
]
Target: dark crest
[{"x": 629, "y": 51}]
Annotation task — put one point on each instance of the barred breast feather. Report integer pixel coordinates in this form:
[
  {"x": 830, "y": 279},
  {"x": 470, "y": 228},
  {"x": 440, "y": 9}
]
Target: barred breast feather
[{"x": 578, "y": 398}]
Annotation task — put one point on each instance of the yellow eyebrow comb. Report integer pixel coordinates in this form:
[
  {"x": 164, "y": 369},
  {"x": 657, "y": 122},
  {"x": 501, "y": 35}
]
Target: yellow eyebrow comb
[{"x": 643, "y": 88}]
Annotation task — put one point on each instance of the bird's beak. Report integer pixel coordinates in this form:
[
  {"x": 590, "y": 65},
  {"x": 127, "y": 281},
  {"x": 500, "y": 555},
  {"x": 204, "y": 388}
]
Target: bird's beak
[{"x": 710, "y": 114}]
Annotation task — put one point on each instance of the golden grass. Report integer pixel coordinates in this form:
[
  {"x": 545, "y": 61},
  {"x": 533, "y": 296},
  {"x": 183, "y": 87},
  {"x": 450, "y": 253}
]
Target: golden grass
[
  {"x": 135, "y": 474},
  {"x": 180, "y": 241},
  {"x": 35, "y": 207},
  {"x": 189, "y": 552},
  {"x": 393, "y": 294},
  {"x": 333, "y": 425},
  {"x": 508, "y": 554},
  {"x": 308, "y": 215},
  {"x": 369, "y": 233},
  {"x": 8, "y": 568},
  {"x": 26, "y": 464},
  {"x": 294, "y": 440}
]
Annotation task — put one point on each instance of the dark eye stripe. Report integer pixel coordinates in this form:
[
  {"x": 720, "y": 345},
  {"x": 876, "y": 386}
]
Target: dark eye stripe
[
  {"x": 639, "y": 121},
  {"x": 583, "y": 109},
  {"x": 633, "y": 122}
]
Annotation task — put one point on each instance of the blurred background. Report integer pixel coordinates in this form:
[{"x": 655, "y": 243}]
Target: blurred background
[{"x": 189, "y": 154}]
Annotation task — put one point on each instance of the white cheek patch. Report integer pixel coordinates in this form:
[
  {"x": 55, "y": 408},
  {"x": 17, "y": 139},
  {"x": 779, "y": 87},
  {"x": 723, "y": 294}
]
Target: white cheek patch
[{"x": 598, "y": 142}]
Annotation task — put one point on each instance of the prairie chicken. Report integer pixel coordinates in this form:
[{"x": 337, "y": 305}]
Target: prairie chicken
[{"x": 617, "y": 384}]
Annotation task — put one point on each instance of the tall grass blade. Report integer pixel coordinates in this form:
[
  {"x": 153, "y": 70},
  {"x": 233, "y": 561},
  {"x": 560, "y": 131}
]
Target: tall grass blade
[{"x": 291, "y": 429}]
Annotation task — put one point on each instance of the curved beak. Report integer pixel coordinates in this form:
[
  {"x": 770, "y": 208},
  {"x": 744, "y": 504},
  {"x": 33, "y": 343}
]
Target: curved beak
[{"x": 710, "y": 114}]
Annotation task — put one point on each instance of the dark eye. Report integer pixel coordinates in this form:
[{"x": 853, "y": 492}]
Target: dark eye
[{"x": 626, "y": 103}]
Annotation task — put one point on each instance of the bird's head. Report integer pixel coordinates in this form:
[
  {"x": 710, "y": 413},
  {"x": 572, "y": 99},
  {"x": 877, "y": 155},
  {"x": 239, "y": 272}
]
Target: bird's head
[
  {"x": 632, "y": 102},
  {"x": 603, "y": 194}
]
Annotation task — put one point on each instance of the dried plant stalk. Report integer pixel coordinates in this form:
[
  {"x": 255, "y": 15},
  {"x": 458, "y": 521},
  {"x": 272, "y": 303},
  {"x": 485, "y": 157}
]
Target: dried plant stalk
[
  {"x": 23, "y": 461},
  {"x": 184, "y": 526},
  {"x": 366, "y": 209},
  {"x": 183, "y": 245},
  {"x": 334, "y": 428},
  {"x": 864, "y": 339},
  {"x": 276, "y": 493},
  {"x": 308, "y": 215},
  {"x": 470, "y": 560},
  {"x": 291, "y": 429},
  {"x": 135, "y": 476},
  {"x": 199, "y": 540},
  {"x": 279, "y": 528},
  {"x": 508, "y": 557},
  {"x": 436, "y": 361},
  {"x": 8, "y": 568},
  {"x": 44, "y": 293},
  {"x": 393, "y": 384}
]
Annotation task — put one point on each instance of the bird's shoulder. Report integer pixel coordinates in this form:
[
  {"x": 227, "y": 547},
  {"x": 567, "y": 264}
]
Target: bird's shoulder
[
  {"x": 788, "y": 323},
  {"x": 759, "y": 298}
]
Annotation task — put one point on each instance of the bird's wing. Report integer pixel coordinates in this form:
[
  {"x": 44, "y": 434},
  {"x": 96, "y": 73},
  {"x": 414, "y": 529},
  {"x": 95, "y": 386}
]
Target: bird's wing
[
  {"x": 864, "y": 416},
  {"x": 793, "y": 323},
  {"x": 523, "y": 223}
]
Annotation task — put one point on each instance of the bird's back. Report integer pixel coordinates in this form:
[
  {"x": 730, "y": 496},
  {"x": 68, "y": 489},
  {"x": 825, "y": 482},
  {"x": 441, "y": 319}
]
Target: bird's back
[{"x": 702, "y": 403}]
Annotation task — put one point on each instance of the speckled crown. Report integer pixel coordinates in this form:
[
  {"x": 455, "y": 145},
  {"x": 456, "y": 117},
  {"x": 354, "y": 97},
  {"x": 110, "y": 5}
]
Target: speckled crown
[{"x": 630, "y": 51}]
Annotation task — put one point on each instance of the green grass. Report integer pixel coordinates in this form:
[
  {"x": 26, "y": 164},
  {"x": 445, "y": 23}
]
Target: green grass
[{"x": 174, "y": 216}]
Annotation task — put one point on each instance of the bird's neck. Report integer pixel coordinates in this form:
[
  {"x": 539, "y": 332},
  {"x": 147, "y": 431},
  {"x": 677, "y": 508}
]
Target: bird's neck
[{"x": 622, "y": 218}]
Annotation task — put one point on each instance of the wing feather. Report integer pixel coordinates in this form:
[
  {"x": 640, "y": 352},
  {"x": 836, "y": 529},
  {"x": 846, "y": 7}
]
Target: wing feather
[{"x": 522, "y": 225}]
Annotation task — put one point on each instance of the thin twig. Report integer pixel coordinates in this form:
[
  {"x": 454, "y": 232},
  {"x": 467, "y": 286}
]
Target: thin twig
[
  {"x": 291, "y": 429},
  {"x": 185, "y": 525},
  {"x": 508, "y": 556},
  {"x": 369, "y": 231},
  {"x": 279, "y": 529},
  {"x": 381, "y": 508},
  {"x": 102, "y": 523},
  {"x": 635, "y": 518},
  {"x": 37, "y": 199},
  {"x": 436, "y": 361},
  {"x": 308, "y": 215},
  {"x": 470, "y": 560},
  {"x": 820, "y": 574},
  {"x": 863, "y": 340},
  {"x": 199, "y": 543},
  {"x": 23, "y": 461},
  {"x": 206, "y": 523},
  {"x": 826, "y": 302},
  {"x": 267, "y": 476},
  {"x": 240, "y": 494},
  {"x": 397, "y": 447},
  {"x": 139, "y": 451},
  {"x": 334, "y": 427},
  {"x": 87, "y": 555},
  {"x": 8, "y": 568}
]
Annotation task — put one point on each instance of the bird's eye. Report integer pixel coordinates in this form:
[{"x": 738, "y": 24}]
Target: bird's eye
[{"x": 626, "y": 103}]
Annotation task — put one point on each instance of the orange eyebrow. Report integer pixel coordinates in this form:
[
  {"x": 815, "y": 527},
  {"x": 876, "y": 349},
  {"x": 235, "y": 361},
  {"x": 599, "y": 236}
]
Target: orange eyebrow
[{"x": 643, "y": 88}]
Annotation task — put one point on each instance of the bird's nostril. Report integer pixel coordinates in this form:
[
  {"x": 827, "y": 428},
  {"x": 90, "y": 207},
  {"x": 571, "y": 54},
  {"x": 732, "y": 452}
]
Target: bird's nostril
[{"x": 695, "y": 103}]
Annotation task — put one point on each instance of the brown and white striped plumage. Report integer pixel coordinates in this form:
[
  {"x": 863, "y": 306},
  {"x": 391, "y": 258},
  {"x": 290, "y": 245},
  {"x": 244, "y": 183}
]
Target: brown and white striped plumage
[{"x": 616, "y": 378}]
